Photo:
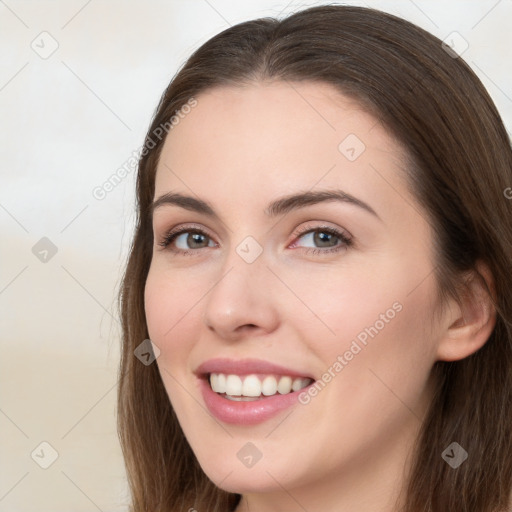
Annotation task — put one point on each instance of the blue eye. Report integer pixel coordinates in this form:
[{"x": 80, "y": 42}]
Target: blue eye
[
  {"x": 192, "y": 239},
  {"x": 327, "y": 239}
]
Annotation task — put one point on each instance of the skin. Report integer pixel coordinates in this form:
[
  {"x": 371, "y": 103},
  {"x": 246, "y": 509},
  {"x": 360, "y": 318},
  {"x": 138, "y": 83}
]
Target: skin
[{"x": 239, "y": 149}]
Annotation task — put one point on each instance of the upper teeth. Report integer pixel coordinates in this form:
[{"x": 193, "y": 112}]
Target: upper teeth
[{"x": 251, "y": 385}]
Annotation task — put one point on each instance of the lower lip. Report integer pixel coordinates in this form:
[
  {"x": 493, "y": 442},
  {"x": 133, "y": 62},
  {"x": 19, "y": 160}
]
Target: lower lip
[{"x": 246, "y": 413}]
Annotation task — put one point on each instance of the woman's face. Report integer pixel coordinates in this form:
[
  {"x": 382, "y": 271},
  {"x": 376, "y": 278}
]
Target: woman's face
[{"x": 257, "y": 279}]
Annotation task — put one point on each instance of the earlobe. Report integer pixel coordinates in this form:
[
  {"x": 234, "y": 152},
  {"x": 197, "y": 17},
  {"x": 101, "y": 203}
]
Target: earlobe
[{"x": 470, "y": 323}]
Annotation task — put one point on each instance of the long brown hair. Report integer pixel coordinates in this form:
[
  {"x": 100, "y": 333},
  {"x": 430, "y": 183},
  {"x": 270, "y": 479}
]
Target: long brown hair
[{"x": 460, "y": 166}]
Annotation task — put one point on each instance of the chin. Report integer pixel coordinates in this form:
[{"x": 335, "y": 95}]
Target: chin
[{"x": 235, "y": 477}]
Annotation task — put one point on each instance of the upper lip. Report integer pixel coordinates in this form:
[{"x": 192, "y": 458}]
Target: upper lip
[{"x": 245, "y": 367}]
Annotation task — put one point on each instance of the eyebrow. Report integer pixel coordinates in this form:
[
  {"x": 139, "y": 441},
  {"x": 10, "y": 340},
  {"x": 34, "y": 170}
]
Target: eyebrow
[{"x": 276, "y": 208}]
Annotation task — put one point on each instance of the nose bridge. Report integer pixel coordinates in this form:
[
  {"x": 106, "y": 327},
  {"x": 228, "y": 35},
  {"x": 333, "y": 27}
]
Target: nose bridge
[
  {"x": 240, "y": 296},
  {"x": 244, "y": 265}
]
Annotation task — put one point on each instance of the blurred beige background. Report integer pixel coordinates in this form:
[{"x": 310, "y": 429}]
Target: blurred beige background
[{"x": 79, "y": 81}]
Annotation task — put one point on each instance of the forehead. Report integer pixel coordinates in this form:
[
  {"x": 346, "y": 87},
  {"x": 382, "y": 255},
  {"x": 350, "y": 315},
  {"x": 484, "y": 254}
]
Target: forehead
[{"x": 278, "y": 137}]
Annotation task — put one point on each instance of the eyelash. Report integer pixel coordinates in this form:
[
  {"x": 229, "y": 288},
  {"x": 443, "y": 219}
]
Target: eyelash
[{"x": 346, "y": 241}]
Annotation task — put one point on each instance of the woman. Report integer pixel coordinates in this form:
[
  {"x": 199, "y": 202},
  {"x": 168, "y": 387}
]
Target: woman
[{"x": 322, "y": 262}]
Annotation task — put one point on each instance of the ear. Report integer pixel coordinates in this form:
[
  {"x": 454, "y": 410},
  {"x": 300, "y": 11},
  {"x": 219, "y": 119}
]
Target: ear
[{"x": 470, "y": 324}]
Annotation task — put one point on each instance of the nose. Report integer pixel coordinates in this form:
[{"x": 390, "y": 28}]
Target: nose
[{"x": 240, "y": 303}]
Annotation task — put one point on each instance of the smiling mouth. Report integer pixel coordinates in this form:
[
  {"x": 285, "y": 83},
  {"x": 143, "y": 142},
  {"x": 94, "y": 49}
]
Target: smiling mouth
[{"x": 248, "y": 388}]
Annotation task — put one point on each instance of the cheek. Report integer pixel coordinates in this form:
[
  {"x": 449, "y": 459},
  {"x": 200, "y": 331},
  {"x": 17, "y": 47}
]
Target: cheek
[
  {"x": 338, "y": 304},
  {"x": 387, "y": 349},
  {"x": 171, "y": 319},
  {"x": 169, "y": 302},
  {"x": 375, "y": 367},
  {"x": 172, "y": 322},
  {"x": 158, "y": 304},
  {"x": 372, "y": 318}
]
